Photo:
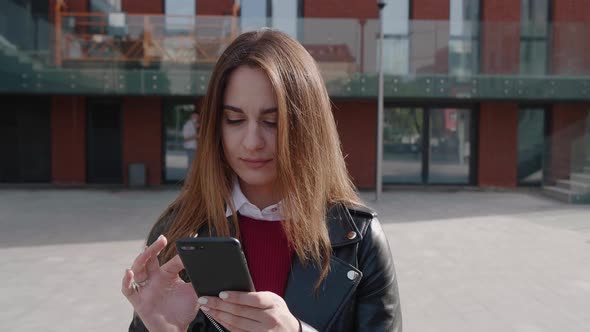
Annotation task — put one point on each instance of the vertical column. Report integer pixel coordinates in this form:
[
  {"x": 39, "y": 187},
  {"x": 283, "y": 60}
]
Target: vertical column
[
  {"x": 498, "y": 155},
  {"x": 68, "y": 140},
  {"x": 356, "y": 125},
  {"x": 142, "y": 136}
]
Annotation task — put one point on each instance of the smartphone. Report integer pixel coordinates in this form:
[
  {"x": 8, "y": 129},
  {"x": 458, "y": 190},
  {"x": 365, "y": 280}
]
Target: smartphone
[{"x": 215, "y": 264}]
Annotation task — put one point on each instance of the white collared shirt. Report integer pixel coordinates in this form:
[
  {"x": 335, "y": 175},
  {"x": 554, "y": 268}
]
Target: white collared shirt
[{"x": 247, "y": 209}]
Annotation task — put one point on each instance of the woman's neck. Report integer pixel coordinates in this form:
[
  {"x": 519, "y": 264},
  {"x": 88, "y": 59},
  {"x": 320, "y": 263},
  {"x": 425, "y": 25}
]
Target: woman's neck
[{"x": 260, "y": 196}]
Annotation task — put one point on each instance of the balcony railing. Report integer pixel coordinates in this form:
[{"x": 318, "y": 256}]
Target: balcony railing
[{"x": 122, "y": 53}]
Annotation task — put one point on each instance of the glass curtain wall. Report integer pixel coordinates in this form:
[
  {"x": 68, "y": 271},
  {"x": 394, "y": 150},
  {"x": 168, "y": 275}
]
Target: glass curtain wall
[
  {"x": 464, "y": 37},
  {"x": 534, "y": 35}
]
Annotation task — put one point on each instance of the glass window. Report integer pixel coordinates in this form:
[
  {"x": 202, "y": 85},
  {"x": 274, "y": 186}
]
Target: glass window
[
  {"x": 449, "y": 145},
  {"x": 176, "y": 115},
  {"x": 182, "y": 14},
  {"x": 534, "y": 27},
  {"x": 402, "y": 145},
  {"x": 254, "y": 14},
  {"x": 464, "y": 37},
  {"x": 531, "y": 145},
  {"x": 113, "y": 24},
  {"x": 396, "y": 45},
  {"x": 285, "y": 15},
  {"x": 105, "y": 6}
]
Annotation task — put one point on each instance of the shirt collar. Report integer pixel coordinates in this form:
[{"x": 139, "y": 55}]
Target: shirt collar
[{"x": 247, "y": 209}]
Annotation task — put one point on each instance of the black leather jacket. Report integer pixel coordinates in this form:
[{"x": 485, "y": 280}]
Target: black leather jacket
[{"x": 360, "y": 292}]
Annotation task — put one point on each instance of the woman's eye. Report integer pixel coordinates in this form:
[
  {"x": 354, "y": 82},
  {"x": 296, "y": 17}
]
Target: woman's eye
[
  {"x": 233, "y": 121},
  {"x": 270, "y": 123}
]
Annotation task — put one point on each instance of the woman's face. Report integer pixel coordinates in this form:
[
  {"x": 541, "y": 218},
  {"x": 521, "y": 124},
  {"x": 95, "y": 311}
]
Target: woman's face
[{"x": 249, "y": 128}]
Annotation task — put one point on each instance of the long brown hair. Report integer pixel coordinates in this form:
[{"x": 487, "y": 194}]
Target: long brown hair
[{"x": 311, "y": 171}]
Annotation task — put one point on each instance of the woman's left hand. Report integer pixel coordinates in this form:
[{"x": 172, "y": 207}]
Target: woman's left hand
[{"x": 254, "y": 311}]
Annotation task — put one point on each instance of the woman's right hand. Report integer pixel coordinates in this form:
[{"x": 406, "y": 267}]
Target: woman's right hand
[{"x": 162, "y": 300}]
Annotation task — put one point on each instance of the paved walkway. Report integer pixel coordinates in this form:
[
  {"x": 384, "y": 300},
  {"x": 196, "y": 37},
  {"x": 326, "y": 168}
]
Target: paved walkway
[{"x": 466, "y": 260}]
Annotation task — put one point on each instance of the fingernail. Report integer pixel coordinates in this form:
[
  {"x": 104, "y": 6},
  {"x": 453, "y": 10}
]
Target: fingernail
[
  {"x": 223, "y": 295},
  {"x": 203, "y": 300},
  {"x": 204, "y": 308},
  {"x": 159, "y": 237}
]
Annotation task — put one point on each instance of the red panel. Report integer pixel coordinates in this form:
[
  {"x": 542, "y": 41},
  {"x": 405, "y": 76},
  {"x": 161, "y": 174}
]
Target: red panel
[
  {"x": 498, "y": 159},
  {"x": 143, "y": 6},
  {"x": 68, "y": 140},
  {"x": 357, "y": 122},
  {"x": 431, "y": 9},
  {"x": 341, "y": 9},
  {"x": 570, "y": 35},
  {"x": 571, "y": 11},
  {"x": 568, "y": 124},
  {"x": 500, "y": 36},
  {"x": 214, "y": 7},
  {"x": 77, "y": 5},
  {"x": 142, "y": 136}
]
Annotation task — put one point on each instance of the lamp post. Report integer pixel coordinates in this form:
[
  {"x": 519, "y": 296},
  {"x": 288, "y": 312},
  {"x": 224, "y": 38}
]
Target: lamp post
[{"x": 380, "y": 116}]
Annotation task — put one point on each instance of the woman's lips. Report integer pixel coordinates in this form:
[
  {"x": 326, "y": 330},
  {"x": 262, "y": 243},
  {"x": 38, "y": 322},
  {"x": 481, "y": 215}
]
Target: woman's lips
[{"x": 255, "y": 163}]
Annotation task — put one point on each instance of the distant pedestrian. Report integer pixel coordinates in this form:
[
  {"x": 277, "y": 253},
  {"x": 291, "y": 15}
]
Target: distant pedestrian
[{"x": 190, "y": 132}]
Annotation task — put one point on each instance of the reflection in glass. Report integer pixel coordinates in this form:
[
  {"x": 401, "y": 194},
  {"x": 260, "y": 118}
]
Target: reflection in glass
[
  {"x": 402, "y": 142},
  {"x": 449, "y": 146},
  {"x": 176, "y": 114},
  {"x": 531, "y": 147}
]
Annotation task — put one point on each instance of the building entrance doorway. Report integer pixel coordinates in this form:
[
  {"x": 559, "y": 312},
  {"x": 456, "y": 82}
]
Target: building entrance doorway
[{"x": 428, "y": 145}]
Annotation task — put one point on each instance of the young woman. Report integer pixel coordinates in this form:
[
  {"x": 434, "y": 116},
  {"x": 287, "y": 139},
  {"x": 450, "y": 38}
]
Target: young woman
[{"x": 269, "y": 171}]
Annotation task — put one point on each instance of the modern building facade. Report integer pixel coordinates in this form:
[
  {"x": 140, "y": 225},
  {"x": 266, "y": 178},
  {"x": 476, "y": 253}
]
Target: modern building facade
[{"x": 477, "y": 92}]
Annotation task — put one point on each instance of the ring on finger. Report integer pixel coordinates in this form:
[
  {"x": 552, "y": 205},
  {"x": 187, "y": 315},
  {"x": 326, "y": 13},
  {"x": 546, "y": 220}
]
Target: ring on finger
[{"x": 135, "y": 286}]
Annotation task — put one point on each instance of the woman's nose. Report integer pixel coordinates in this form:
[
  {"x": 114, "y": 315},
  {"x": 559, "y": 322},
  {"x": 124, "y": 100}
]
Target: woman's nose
[{"x": 253, "y": 139}]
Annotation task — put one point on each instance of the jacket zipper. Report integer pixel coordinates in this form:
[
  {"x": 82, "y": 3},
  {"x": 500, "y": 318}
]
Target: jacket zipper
[{"x": 219, "y": 328}]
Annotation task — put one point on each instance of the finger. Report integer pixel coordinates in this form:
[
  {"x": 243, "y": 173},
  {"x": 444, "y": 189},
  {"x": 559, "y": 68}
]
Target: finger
[
  {"x": 262, "y": 300},
  {"x": 173, "y": 266},
  {"x": 152, "y": 264},
  {"x": 126, "y": 288},
  {"x": 232, "y": 322},
  {"x": 139, "y": 265},
  {"x": 252, "y": 313}
]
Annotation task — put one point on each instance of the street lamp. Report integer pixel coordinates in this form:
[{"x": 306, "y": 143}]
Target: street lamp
[{"x": 380, "y": 117}]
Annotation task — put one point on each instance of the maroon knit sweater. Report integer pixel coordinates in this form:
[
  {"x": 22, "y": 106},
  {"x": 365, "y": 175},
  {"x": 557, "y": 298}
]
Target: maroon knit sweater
[{"x": 268, "y": 253}]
